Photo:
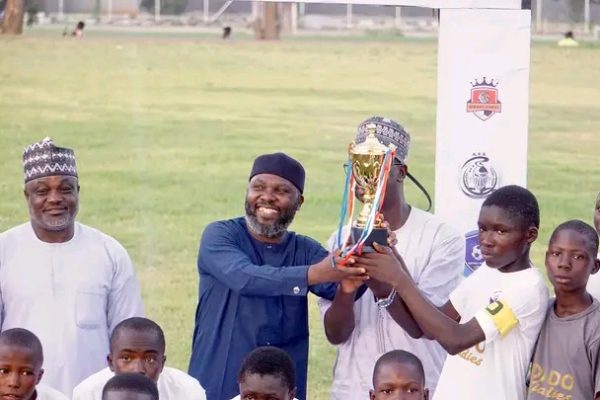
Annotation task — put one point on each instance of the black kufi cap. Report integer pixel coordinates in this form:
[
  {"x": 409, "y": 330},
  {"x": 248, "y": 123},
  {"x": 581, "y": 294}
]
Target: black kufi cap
[{"x": 282, "y": 165}]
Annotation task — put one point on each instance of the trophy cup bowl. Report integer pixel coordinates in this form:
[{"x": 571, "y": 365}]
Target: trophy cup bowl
[{"x": 367, "y": 160}]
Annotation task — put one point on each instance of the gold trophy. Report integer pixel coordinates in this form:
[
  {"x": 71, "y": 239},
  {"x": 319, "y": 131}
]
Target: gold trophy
[{"x": 367, "y": 159}]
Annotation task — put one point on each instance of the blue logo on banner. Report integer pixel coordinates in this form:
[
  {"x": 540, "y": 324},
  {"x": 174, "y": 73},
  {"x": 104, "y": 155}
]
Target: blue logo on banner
[{"x": 473, "y": 257}]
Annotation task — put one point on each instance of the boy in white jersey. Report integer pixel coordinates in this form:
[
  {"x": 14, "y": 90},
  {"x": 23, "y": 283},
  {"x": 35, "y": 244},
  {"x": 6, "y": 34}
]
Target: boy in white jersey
[
  {"x": 130, "y": 386},
  {"x": 492, "y": 320},
  {"x": 399, "y": 375},
  {"x": 137, "y": 345},
  {"x": 267, "y": 373},
  {"x": 21, "y": 359}
]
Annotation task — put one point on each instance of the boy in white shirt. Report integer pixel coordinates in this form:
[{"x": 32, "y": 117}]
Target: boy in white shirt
[
  {"x": 399, "y": 375},
  {"x": 21, "y": 359},
  {"x": 130, "y": 386},
  {"x": 492, "y": 320},
  {"x": 137, "y": 345},
  {"x": 267, "y": 373}
]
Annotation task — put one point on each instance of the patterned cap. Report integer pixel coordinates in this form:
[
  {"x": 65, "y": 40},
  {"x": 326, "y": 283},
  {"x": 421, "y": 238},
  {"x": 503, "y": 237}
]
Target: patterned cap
[
  {"x": 43, "y": 158},
  {"x": 387, "y": 131}
]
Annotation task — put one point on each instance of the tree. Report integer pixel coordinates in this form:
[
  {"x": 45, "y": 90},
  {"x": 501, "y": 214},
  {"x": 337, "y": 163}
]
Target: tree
[
  {"x": 267, "y": 24},
  {"x": 12, "y": 23}
]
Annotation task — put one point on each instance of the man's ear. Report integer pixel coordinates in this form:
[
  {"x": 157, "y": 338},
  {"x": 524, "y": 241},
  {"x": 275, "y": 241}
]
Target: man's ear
[
  {"x": 300, "y": 202},
  {"x": 398, "y": 172},
  {"x": 109, "y": 361},
  {"x": 163, "y": 363},
  {"x": 532, "y": 234},
  {"x": 596, "y": 266},
  {"x": 40, "y": 376},
  {"x": 402, "y": 172}
]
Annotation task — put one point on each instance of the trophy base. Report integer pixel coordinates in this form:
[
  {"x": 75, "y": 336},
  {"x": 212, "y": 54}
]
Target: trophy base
[{"x": 378, "y": 235}]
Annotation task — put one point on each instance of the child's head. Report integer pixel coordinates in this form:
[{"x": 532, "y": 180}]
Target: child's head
[
  {"x": 130, "y": 386},
  {"x": 21, "y": 359},
  {"x": 399, "y": 375},
  {"x": 571, "y": 256},
  {"x": 597, "y": 214},
  {"x": 267, "y": 373},
  {"x": 508, "y": 224},
  {"x": 137, "y": 345}
]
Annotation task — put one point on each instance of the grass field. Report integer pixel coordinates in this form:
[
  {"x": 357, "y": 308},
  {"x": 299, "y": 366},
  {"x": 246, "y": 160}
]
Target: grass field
[{"x": 165, "y": 130}]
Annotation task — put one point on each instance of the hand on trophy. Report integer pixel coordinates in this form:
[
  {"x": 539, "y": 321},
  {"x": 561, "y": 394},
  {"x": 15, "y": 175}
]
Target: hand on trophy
[
  {"x": 334, "y": 268},
  {"x": 352, "y": 284},
  {"x": 384, "y": 265},
  {"x": 379, "y": 288}
]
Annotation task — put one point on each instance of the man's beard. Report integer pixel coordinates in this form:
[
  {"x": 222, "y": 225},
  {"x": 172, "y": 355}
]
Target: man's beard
[{"x": 271, "y": 231}]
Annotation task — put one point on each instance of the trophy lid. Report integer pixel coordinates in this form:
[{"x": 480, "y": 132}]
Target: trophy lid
[{"x": 371, "y": 145}]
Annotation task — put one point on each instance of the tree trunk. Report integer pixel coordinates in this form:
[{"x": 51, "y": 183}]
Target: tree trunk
[
  {"x": 266, "y": 21},
  {"x": 13, "y": 17}
]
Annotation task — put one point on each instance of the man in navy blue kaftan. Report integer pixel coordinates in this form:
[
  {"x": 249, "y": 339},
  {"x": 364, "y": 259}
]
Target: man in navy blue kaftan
[{"x": 254, "y": 279}]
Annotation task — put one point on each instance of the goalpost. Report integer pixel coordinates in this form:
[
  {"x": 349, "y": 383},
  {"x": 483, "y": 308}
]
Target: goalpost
[{"x": 482, "y": 104}]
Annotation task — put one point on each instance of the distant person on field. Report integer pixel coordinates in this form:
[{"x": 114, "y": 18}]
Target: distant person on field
[
  {"x": 227, "y": 32},
  {"x": 568, "y": 40},
  {"x": 78, "y": 32}
]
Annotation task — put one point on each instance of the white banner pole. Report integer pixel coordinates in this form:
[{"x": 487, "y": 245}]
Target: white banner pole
[
  {"x": 586, "y": 16},
  {"x": 538, "y": 16},
  {"x": 398, "y": 18},
  {"x": 348, "y": 16},
  {"x": 482, "y": 113}
]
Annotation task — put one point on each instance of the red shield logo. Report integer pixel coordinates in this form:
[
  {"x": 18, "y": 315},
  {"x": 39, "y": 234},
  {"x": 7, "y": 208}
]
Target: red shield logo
[{"x": 484, "y": 101}]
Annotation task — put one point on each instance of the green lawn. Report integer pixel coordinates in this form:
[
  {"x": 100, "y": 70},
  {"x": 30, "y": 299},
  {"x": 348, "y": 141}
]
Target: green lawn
[{"x": 166, "y": 128}]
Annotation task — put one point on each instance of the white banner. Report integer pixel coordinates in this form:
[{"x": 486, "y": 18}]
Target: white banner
[{"x": 482, "y": 113}]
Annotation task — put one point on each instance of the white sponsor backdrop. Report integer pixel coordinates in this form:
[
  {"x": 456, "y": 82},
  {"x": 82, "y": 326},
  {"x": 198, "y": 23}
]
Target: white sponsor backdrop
[{"x": 482, "y": 111}]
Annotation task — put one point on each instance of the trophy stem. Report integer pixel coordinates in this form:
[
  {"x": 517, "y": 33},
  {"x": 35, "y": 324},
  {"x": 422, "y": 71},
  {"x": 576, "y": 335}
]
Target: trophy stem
[{"x": 363, "y": 217}]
